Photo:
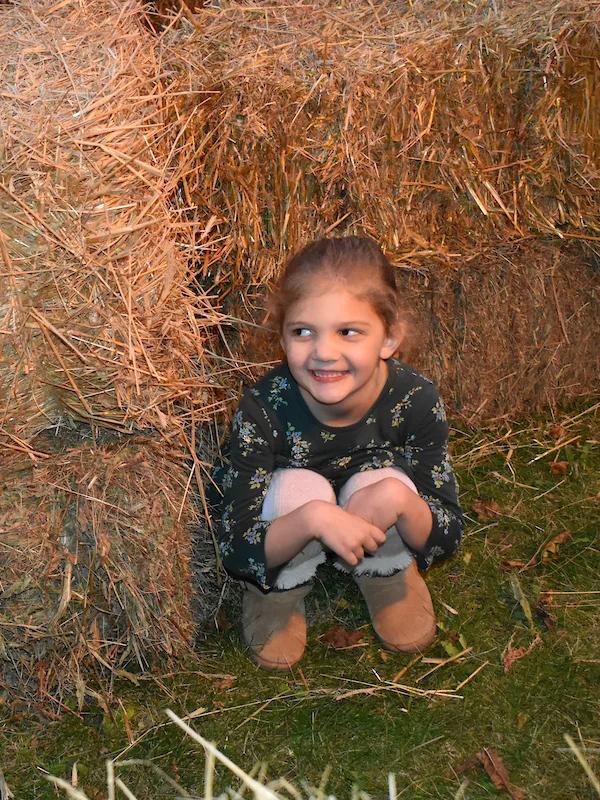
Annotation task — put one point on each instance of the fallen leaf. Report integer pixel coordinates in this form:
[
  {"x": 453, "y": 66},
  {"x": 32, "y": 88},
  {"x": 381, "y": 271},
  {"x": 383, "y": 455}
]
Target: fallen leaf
[
  {"x": 559, "y": 467},
  {"x": 520, "y": 597},
  {"x": 467, "y": 557},
  {"x": 222, "y": 622},
  {"x": 546, "y": 598},
  {"x": 450, "y": 648},
  {"x": 384, "y": 655},
  {"x": 509, "y": 564},
  {"x": 550, "y": 550},
  {"x": 511, "y": 654},
  {"x": 492, "y": 763},
  {"x": 557, "y": 431},
  {"x": 339, "y": 638},
  {"x": 497, "y": 772},
  {"x": 522, "y": 720},
  {"x": 219, "y": 680},
  {"x": 545, "y": 616},
  {"x": 487, "y": 510}
]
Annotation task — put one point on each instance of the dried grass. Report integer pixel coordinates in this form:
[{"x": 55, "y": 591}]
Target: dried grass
[
  {"x": 95, "y": 579},
  {"x": 458, "y": 136},
  {"x": 97, "y": 309},
  {"x": 153, "y": 184}
]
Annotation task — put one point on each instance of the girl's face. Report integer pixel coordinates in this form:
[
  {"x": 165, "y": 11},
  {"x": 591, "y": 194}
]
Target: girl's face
[{"x": 336, "y": 347}]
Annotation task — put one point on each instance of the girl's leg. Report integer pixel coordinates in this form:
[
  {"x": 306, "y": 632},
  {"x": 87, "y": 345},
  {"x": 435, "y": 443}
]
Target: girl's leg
[
  {"x": 289, "y": 489},
  {"x": 393, "y": 555},
  {"x": 274, "y": 624},
  {"x": 397, "y": 597}
]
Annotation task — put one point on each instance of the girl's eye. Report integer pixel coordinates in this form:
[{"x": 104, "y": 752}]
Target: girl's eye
[
  {"x": 349, "y": 332},
  {"x": 301, "y": 332}
]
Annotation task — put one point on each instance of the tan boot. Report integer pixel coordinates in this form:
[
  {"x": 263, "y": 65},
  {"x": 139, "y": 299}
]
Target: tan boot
[
  {"x": 401, "y": 609},
  {"x": 274, "y": 626}
]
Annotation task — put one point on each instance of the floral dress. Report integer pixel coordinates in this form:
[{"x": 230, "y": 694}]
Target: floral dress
[{"x": 273, "y": 428}]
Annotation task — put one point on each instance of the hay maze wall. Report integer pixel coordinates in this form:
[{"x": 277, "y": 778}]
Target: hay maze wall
[{"x": 152, "y": 184}]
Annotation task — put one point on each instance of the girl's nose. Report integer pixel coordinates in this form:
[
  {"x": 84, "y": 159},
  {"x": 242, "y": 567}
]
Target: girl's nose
[{"x": 325, "y": 349}]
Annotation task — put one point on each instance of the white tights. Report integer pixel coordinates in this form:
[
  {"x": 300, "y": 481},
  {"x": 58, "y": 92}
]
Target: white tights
[{"x": 291, "y": 488}]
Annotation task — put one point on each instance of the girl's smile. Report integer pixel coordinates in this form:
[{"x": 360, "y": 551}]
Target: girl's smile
[{"x": 336, "y": 347}]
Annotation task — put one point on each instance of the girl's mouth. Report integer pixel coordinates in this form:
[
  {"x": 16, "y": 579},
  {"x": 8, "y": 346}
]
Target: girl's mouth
[{"x": 327, "y": 375}]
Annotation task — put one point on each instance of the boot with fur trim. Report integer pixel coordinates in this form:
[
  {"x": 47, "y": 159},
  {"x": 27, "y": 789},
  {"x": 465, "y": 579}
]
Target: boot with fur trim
[
  {"x": 401, "y": 609},
  {"x": 274, "y": 626}
]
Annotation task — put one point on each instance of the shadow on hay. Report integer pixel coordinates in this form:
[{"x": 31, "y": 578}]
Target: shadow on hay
[{"x": 95, "y": 573}]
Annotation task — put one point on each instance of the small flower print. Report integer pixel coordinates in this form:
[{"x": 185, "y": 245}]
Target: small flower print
[
  {"x": 442, "y": 473},
  {"x": 327, "y": 436},
  {"x": 254, "y": 534},
  {"x": 226, "y": 518},
  {"x": 442, "y": 516},
  {"x": 299, "y": 447},
  {"x": 229, "y": 478},
  {"x": 258, "y": 570},
  {"x": 226, "y": 546},
  {"x": 439, "y": 411},
  {"x": 376, "y": 463},
  {"x": 341, "y": 462},
  {"x": 403, "y": 405},
  {"x": 259, "y": 478},
  {"x": 247, "y": 437},
  {"x": 278, "y": 385}
]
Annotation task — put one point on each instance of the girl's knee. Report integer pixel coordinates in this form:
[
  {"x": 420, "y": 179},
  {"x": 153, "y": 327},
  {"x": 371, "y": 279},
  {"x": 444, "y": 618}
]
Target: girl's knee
[
  {"x": 291, "y": 488},
  {"x": 361, "y": 479}
]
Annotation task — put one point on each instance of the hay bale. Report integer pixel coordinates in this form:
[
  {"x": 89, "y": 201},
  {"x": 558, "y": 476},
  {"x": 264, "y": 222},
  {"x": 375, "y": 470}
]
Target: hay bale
[
  {"x": 95, "y": 575},
  {"x": 448, "y": 132},
  {"x": 98, "y": 311}
]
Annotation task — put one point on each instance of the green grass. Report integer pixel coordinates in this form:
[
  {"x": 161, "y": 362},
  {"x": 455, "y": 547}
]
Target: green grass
[{"x": 294, "y": 722}]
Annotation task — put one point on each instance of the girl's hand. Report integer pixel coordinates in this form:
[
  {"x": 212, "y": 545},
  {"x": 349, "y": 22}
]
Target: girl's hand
[
  {"x": 380, "y": 503},
  {"x": 391, "y": 502},
  {"x": 347, "y": 534}
]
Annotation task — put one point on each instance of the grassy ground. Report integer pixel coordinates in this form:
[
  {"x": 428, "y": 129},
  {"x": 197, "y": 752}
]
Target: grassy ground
[{"x": 522, "y": 486}]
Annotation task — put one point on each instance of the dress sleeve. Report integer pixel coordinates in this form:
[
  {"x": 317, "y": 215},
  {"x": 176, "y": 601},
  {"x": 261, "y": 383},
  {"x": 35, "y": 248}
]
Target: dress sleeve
[
  {"x": 241, "y": 531},
  {"x": 426, "y": 450}
]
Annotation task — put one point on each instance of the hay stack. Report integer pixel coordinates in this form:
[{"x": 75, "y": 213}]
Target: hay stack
[
  {"x": 458, "y": 135},
  {"x": 94, "y": 553},
  {"x": 101, "y": 321},
  {"x": 97, "y": 308}
]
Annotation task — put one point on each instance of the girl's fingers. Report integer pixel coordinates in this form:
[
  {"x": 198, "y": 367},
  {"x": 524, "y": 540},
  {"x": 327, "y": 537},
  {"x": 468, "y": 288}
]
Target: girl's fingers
[{"x": 379, "y": 535}]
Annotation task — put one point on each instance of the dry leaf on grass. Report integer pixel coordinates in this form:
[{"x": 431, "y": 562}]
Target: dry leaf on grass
[
  {"x": 546, "y": 617},
  {"x": 220, "y": 680},
  {"x": 222, "y": 621},
  {"x": 511, "y": 563},
  {"x": 557, "y": 431},
  {"x": 548, "y": 552},
  {"x": 511, "y": 654},
  {"x": 491, "y": 761},
  {"x": 559, "y": 467},
  {"x": 339, "y": 638},
  {"x": 487, "y": 510}
]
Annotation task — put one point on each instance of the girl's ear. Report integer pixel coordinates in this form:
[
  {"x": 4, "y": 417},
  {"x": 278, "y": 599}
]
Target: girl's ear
[{"x": 394, "y": 340}]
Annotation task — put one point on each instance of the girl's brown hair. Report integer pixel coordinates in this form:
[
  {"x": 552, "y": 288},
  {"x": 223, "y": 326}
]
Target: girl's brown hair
[{"x": 351, "y": 261}]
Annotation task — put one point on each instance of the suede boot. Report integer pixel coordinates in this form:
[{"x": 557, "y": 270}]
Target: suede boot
[
  {"x": 274, "y": 626},
  {"x": 401, "y": 609}
]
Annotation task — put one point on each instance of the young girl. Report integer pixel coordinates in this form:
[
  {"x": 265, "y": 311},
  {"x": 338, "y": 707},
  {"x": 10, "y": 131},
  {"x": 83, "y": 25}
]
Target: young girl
[{"x": 339, "y": 450}]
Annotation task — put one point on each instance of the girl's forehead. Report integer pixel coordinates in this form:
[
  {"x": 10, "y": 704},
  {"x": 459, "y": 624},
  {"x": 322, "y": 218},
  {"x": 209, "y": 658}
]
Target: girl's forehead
[{"x": 332, "y": 300}]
